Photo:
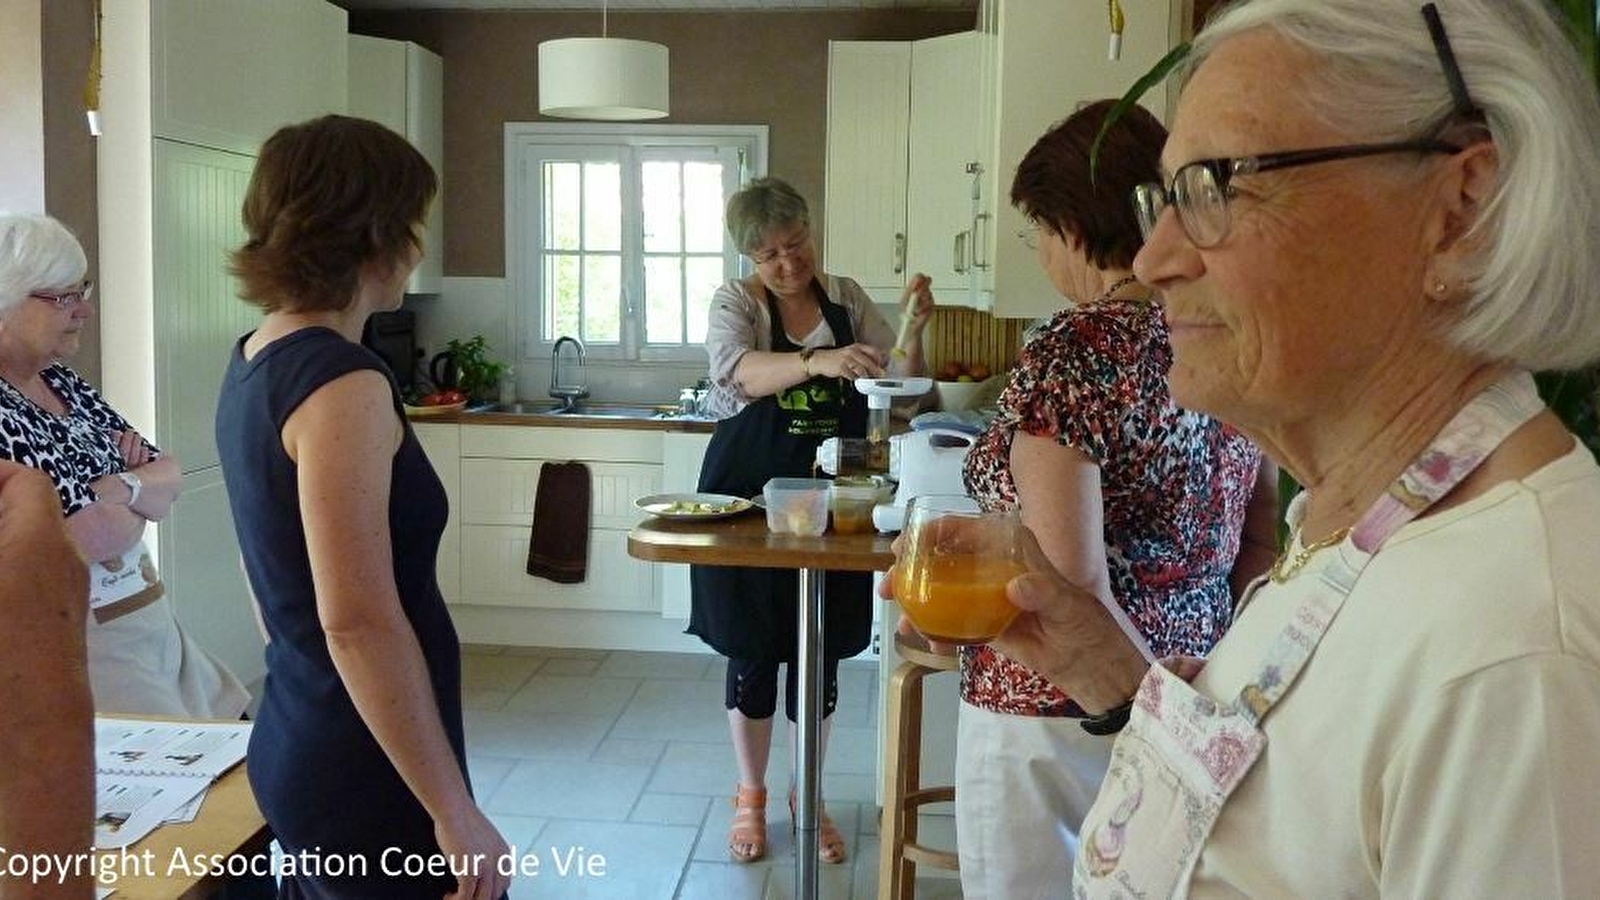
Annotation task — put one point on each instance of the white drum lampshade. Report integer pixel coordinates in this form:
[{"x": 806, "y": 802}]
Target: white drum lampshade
[{"x": 606, "y": 78}]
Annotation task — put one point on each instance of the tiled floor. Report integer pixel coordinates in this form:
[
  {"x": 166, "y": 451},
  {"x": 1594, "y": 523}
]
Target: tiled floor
[{"x": 580, "y": 754}]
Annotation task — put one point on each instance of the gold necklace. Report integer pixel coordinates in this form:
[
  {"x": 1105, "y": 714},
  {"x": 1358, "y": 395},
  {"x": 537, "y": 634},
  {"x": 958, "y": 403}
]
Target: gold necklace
[{"x": 1280, "y": 573}]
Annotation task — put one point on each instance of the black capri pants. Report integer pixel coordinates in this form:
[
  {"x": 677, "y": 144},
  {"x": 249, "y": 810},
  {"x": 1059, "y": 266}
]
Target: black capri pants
[{"x": 752, "y": 688}]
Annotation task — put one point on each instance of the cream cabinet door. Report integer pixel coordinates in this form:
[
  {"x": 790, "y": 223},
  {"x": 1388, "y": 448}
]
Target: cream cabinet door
[
  {"x": 681, "y": 456},
  {"x": 1048, "y": 59},
  {"x": 942, "y": 154},
  {"x": 869, "y": 85},
  {"x": 401, "y": 85},
  {"x": 497, "y": 502},
  {"x": 442, "y": 444}
]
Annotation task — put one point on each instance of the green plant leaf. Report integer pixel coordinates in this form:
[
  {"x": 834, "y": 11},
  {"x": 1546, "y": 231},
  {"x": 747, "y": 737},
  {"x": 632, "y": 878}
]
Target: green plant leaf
[{"x": 1148, "y": 80}]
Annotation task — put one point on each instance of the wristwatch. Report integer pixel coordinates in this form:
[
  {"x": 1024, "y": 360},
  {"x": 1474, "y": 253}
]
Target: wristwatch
[
  {"x": 805, "y": 359},
  {"x": 134, "y": 485}
]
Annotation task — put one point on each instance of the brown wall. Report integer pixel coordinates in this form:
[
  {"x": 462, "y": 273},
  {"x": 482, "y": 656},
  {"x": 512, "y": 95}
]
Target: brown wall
[
  {"x": 726, "y": 68},
  {"x": 67, "y": 30}
]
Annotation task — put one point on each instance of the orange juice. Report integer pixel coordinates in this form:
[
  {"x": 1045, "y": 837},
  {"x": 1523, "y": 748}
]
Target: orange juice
[{"x": 958, "y": 599}]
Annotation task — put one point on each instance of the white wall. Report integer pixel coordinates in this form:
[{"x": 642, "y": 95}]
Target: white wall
[{"x": 21, "y": 108}]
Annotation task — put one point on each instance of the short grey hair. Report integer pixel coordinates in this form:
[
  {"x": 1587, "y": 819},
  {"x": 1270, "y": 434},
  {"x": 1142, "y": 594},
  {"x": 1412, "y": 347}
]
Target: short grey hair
[
  {"x": 762, "y": 205},
  {"x": 1533, "y": 298},
  {"x": 36, "y": 252}
]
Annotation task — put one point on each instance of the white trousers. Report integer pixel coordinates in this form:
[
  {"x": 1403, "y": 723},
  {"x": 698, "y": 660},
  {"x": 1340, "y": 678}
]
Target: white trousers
[{"x": 1023, "y": 785}]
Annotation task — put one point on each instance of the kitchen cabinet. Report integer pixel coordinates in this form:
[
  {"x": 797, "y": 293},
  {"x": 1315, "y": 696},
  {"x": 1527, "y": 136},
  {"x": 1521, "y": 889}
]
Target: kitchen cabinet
[
  {"x": 401, "y": 85},
  {"x": 901, "y": 153},
  {"x": 442, "y": 444},
  {"x": 869, "y": 84},
  {"x": 1039, "y": 63},
  {"x": 227, "y": 73},
  {"x": 191, "y": 89},
  {"x": 499, "y": 481},
  {"x": 682, "y": 453},
  {"x": 941, "y": 166}
]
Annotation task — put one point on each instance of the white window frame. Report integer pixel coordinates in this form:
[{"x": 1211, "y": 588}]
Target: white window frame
[{"x": 523, "y": 149}]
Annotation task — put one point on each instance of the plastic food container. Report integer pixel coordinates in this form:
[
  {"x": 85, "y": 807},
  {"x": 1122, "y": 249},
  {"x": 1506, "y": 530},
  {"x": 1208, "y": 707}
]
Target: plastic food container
[
  {"x": 851, "y": 499},
  {"x": 797, "y": 505}
]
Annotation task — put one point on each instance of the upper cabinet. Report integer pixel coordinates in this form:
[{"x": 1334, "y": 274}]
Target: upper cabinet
[
  {"x": 902, "y": 148},
  {"x": 942, "y": 162},
  {"x": 864, "y": 238},
  {"x": 401, "y": 85},
  {"x": 227, "y": 73},
  {"x": 1040, "y": 62}
]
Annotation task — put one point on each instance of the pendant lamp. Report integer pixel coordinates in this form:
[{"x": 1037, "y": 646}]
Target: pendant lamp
[{"x": 612, "y": 79}]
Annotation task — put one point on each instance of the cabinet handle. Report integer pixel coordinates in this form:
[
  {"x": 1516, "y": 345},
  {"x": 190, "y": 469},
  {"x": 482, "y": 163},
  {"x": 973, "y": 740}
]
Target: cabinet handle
[
  {"x": 980, "y": 250},
  {"x": 899, "y": 253},
  {"x": 960, "y": 263}
]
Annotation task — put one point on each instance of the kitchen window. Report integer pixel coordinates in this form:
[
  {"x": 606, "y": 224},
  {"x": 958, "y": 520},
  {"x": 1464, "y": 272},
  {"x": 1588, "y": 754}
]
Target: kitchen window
[{"x": 614, "y": 233}]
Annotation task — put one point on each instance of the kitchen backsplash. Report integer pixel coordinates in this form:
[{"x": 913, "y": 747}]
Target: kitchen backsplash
[{"x": 469, "y": 306}]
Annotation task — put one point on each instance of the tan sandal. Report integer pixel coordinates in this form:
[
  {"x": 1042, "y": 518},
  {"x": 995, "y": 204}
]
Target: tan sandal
[
  {"x": 747, "y": 838},
  {"x": 830, "y": 843}
]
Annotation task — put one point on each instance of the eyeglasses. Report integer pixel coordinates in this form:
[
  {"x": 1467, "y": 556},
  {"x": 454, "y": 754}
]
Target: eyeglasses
[
  {"x": 65, "y": 299},
  {"x": 1201, "y": 190},
  {"x": 1030, "y": 236},
  {"x": 792, "y": 248}
]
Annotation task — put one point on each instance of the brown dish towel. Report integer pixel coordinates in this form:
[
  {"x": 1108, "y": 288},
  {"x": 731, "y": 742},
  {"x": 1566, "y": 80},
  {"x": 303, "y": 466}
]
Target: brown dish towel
[{"x": 558, "y": 548}]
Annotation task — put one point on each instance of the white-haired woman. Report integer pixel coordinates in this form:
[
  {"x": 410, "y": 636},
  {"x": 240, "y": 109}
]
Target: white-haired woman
[
  {"x": 1378, "y": 220},
  {"x": 111, "y": 481}
]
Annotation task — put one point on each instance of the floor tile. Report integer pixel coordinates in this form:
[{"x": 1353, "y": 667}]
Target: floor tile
[
  {"x": 639, "y": 861},
  {"x": 670, "y": 809},
  {"x": 722, "y": 881},
  {"x": 628, "y": 750},
  {"x": 499, "y": 673},
  {"x": 560, "y": 788},
  {"x": 628, "y": 664},
  {"x": 487, "y": 771},
  {"x": 484, "y": 699},
  {"x": 523, "y": 734},
  {"x": 563, "y": 665},
  {"x": 589, "y": 695}
]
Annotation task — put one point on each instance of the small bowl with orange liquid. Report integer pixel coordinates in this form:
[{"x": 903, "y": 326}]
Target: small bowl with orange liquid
[{"x": 951, "y": 579}]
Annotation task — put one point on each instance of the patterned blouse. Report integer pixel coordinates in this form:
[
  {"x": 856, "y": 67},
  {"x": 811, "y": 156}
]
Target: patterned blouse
[
  {"x": 1175, "y": 486},
  {"x": 74, "y": 449}
]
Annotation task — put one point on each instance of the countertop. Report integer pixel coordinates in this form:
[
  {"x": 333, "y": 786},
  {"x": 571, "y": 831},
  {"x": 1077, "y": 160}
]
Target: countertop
[{"x": 696, "y": 426}]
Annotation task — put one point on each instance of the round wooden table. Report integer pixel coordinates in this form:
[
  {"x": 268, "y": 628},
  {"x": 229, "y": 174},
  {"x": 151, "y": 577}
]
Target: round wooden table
[{"x": 743, "y": 540}]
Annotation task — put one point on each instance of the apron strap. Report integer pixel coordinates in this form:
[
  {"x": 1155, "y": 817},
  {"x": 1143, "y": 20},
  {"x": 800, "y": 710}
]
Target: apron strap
[{"x": 1460, "y": 447}]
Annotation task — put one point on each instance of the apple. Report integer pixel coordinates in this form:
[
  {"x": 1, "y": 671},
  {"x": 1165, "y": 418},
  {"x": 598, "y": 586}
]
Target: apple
[
  {"x": 978, "y": 371},
  {"x": 951, "y": 371}
]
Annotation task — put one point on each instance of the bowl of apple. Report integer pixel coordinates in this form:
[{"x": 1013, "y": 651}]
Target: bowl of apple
[{"x": 959, "y": 384}]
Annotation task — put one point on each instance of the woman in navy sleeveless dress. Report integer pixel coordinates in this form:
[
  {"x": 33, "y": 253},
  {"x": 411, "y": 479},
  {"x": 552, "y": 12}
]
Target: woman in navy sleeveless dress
[{"x": 357, "y": 759}]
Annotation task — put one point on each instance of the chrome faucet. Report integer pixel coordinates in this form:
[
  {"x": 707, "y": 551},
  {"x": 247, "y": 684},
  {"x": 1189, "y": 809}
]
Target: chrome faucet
[{"x": 568, "y": 394}]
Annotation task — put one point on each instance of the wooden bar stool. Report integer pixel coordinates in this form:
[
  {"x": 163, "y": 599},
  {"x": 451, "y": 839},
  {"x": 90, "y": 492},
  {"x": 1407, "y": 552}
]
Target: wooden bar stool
[{"x": 903, "y": 794}]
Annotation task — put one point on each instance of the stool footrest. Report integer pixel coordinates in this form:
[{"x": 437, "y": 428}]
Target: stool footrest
[
  {"x": 924, "y": 796},
  {"x": 927, "y": 856}
]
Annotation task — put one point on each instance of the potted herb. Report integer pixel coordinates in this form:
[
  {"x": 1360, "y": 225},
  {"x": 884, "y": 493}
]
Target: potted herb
[{"x": 476, "y": 375}]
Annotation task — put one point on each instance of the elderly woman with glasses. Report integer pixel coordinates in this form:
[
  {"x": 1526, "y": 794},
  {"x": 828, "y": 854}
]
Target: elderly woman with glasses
[
  {"x": 786, "y": 343},
  {"x": 111, "y": 482},
  {"x": 1379, "y": 221},
  {"x": 1125, "y": 491}
]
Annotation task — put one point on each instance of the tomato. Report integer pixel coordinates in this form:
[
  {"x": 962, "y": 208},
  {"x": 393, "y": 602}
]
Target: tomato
[
  {"x": 434, "y": 399},
  {"x": 453, "y": 397}
]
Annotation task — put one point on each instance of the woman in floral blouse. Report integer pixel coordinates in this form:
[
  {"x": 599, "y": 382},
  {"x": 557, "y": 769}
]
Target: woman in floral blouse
[{"x": 1127, "y": 494}]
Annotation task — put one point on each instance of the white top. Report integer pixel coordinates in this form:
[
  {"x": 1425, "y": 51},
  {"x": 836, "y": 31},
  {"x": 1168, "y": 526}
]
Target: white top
[
  {"x": 1444, "y": 740},
  {"x": 740, "y": 322}
]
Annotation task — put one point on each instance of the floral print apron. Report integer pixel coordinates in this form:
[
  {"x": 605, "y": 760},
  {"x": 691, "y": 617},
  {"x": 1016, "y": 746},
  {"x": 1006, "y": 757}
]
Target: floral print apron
[{"x": 1182, "y": 754}]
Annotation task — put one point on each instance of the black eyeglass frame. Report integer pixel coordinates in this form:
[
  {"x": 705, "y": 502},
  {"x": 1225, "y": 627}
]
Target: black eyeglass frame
[{"x": 1224, "y": 169}]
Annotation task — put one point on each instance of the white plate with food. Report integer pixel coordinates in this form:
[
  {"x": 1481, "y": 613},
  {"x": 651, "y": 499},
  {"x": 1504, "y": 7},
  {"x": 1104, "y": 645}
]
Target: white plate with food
[{"x": 692, "y": 506}]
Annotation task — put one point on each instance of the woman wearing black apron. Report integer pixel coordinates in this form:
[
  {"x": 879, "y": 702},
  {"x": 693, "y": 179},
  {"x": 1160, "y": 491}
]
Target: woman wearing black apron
[{"x": 785, "y": 345}]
